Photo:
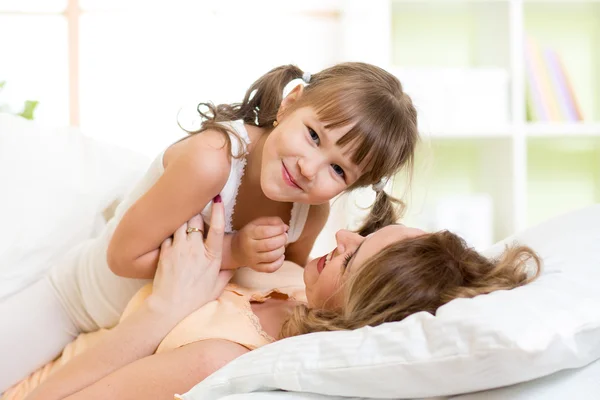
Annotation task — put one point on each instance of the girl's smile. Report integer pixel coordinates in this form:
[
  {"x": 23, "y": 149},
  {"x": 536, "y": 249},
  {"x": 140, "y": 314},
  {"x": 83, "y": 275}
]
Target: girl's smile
[{"x": 288, "y": 178}]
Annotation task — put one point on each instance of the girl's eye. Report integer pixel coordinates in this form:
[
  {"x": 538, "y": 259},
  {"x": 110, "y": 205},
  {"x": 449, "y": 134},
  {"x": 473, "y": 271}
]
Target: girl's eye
[
  {"x": 338, "y": 170},
  {"x": 347, "y": 259},
  {"x": 314, "y": 136}
]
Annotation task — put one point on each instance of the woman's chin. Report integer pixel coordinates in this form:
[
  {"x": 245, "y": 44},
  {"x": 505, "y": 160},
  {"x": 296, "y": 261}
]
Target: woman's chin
[
  {"x": 310, "y": 272},
  {"x": 306, "y": 273}
]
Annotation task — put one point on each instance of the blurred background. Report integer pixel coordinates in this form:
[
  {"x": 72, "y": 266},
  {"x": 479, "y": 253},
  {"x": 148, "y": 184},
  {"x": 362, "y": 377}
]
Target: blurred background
[{"x": 507, "y": 90}]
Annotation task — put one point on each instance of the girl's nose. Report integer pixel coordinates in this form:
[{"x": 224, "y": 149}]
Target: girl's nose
[{"x": 308, "y": 166}]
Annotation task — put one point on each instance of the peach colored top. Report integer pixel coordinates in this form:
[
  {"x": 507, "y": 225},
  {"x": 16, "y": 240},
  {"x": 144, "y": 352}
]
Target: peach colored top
[{"x": 230, "y": 317}]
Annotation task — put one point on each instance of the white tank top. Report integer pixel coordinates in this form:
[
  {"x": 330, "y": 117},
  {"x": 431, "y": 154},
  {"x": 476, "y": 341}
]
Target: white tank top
[{"x": 88, "y": 288}]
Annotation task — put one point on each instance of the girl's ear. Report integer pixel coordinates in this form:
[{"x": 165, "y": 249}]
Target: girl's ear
[{"x": 290, "y": 99}]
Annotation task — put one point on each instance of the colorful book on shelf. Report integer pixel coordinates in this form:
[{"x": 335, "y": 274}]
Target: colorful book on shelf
[
  {"x": 559, "y": 89},
  {"x": 548, "y": 105},
  {"x": 550, "y": 95},
  {"x": 538, "y": 110},
  {"x": 571, "y": 104}
]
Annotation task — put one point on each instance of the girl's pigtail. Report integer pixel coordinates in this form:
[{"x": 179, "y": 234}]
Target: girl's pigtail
[
  {"x": 385, "y": 211},
  {"x": 259, "y": 107},
  {"x": 262, "y": 100}
]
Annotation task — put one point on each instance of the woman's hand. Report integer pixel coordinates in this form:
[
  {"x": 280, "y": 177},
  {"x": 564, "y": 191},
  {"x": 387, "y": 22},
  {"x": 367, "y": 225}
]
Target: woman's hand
[
  {"x": 260, "y": 244},
  {"x": 188, "y": 274}
]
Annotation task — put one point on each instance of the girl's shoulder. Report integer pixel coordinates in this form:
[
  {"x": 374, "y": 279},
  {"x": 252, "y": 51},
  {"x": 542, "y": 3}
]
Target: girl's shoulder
[
  {"x": 210, "y": 144},
  {"x": 201, "y": 157},
  {"x": 236, "y": 142}
]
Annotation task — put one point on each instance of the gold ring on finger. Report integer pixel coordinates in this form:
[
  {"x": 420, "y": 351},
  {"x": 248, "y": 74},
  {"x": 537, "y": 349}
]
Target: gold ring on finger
[{"x": 194, "y": 229}]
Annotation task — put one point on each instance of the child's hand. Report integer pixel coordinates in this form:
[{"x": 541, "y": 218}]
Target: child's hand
[{"x": 260, "y": 244}]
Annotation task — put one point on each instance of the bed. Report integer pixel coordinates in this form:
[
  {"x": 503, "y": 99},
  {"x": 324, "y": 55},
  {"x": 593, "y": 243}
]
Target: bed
[{"x": 81, "y": 180}]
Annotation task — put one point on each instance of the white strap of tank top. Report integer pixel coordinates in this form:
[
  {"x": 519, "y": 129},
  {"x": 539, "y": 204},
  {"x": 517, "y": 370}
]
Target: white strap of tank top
[{"x": 297, "y": 221}]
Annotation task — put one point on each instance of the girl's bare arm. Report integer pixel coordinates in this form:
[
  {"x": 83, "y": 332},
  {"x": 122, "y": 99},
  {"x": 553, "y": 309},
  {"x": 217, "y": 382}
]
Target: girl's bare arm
[
  {"x": 195, "y": 172},
  {"x": 299, "y": 251}
]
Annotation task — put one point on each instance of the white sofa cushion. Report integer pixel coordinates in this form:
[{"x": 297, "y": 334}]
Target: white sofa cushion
[
  {"x": 470, "y": 345},
  {"x": 55, "y": 183}
]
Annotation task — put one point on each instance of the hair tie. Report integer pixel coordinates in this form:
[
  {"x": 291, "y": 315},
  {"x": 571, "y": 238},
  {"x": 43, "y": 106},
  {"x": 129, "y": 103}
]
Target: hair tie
[
  {"x": 295, "y": 82},
  {"x": 379, "y": 186},
  {"x": 291, "y": 85}
]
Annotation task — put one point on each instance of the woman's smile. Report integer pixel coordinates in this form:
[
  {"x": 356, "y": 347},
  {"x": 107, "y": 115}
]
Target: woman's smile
[{"x": 323, "y": 262}]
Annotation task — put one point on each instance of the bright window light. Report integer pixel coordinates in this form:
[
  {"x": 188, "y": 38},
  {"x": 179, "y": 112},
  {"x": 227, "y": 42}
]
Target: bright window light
[
  {"x": 41, "y": 72},
  {"x": 137, "y": 75},
  {"x": 38, "y": 6}
]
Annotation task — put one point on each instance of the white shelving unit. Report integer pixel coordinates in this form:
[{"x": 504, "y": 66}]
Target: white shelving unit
[{"x": 529, "y": 170}]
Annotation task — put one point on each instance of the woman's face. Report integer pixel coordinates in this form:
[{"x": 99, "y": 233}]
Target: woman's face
[
  {"x": 324, "y": 276},
  {"x": 301, "y": 161}
]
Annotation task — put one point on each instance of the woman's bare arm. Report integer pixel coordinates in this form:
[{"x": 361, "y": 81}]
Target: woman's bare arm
[
  {"x": 136, "y": 337},
  {"x": 163, "y": 375}
]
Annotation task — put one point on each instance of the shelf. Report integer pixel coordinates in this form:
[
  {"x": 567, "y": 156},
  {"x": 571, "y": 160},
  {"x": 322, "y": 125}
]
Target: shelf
[
  {"x": 562, "y": 2},
  {"x": 466, "y": 132},
  {"x": 475, "y": 140},
  {"x": 531, "y": 130},
  {"x": 450, "y": 2},
  {"x": 566, "y": 129}
]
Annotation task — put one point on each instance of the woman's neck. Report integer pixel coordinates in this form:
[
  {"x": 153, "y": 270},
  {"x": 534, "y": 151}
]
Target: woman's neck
[{"x": 273, "y": 313}]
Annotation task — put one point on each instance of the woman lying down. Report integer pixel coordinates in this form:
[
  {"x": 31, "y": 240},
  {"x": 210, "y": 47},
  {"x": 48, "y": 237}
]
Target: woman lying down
[{"x": 191, "y": 322}]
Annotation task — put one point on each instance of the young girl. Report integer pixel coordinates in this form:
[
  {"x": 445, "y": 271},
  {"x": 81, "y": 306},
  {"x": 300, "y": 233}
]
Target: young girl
[{"x": 275, "y": 161}]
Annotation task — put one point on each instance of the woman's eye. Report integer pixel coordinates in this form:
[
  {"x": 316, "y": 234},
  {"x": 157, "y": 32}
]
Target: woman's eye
[
  {"x": 347, "y": 259},
  {"x": 338, "y": 170},
  {"x": 314, "y": 136}
]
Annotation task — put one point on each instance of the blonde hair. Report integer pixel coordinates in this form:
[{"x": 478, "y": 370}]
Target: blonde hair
[
  {"x": 413, "y": 275},
  {"x": 384, "y": 130}
]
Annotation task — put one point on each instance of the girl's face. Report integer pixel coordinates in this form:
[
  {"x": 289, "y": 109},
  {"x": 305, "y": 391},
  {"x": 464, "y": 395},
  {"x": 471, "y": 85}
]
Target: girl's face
[
  {"x": 301, "y": 161},
  {"x": 324, "y": 276}
]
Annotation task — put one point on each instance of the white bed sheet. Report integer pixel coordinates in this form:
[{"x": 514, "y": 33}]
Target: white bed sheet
[
  {"x": 580, "y": 384},
  {"x": 285, "y": 396}
]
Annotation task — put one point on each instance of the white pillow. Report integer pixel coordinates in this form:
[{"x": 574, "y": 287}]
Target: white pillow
[
  {"x": 54, "y": 185},
  {"x": 475, "y": 344}
]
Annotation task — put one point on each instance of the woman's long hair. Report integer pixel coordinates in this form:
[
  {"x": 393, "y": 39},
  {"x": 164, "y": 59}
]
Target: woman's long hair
[{"x": 413, "y": 275}]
